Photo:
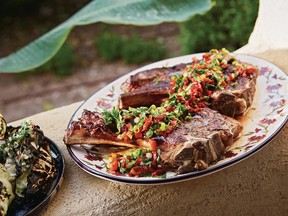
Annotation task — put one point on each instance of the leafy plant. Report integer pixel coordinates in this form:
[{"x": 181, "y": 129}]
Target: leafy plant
[
  {"x": 136, "y": 12},
  {"x": 136, "y": 50},
  {"x": 133, "y": 50},
  {"x": 108, "y": 45},
  {"x": 61, "y": 64},
  {"x": 228, "y": 24}
]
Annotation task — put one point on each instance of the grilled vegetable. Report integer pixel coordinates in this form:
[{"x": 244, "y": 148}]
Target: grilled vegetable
[
  {"x": 26, "y": 162},
  {"x": 43, "y": 170},
  {"x": 2, "y": 127},
  {"x": 6, "y": 190}
]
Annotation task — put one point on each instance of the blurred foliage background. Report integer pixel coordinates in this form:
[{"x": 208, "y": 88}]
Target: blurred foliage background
[
  {"x": 228, "y": 24},
  {"x": 76, "y": 71}
]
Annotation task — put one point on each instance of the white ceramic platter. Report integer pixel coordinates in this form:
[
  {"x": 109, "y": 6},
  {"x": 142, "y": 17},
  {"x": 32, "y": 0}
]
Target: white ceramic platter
[{"x": 265, "y": 119}]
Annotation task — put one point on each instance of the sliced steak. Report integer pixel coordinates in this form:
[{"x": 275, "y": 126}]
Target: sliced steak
[
  {"x": 194, "y": 145},
  {"x": 146, "y": 77},
  {"x": 153, "y": 93},
  {"x": 148, "y": 87},
  {"x": 143, "y": 89},
  {"x": 235, "y": 100},
  {"x": 91, "y": 129},
  {"x": 199, "y": 142}
]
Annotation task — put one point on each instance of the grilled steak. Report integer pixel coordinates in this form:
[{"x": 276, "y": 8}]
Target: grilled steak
[
  {"x": 235, "y": 100},
  {"x": 144, "y": 78},
  {"x": 146, "y": 95},
  {"x": 142, "y": 90},
  {"x": 200, "y": 141},
  {"x": 148, "y": 87},
  {"x": 192, "y": 146},
  {"x": 91, "y": 129}
]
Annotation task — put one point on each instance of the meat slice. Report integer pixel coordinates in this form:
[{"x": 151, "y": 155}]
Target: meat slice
[
  {"x": 153, "y": 75},
  {"x": 199, "y": 142},
  {"x": 143, "y": 89},
  {"x": 146, "y": 95},
  {"x": 148, "y": 87},
  {"x": 192, "y": 146},
  {"x": 235, "y": 100},
  {"x": 91, "y": 129}
]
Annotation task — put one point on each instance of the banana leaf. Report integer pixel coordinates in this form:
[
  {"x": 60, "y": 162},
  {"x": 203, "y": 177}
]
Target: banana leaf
[{"x": 130, "y": 12}]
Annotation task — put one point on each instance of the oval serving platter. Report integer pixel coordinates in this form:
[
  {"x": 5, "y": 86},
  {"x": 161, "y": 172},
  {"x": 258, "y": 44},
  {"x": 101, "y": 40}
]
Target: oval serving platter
[
  {"x": 264, "y": 120},
  {"x": 35, "y": 207}
]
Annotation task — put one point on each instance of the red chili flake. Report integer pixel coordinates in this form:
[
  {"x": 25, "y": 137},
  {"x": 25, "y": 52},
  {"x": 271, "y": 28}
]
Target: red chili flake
[
  {"x": 159, "y": 118},
  {"x": 223, "y": 83},
  {"x": 158, "y": 172},
  {"x": 169, "y": 129},
  {"x": 225, "y": 65},
  {"x": 256, "y": 138},
  {"x": 195, "y": 60},
  {"x": 138, "y": 135},
  {"x": 274, "y": 76},
  {"x": 250, "y": 70},
  {"x": 207, "y": 56},
  {"x": 201, "y": 105},
  {"x": 257, "y": 130},
  {"x": 209, "y": 93}
]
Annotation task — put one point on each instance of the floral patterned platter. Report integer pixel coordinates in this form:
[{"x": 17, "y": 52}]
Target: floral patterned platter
[{"x": 264, "y": 120}]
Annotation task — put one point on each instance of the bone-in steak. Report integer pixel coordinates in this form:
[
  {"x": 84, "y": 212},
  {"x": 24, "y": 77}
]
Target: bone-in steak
[
  {"x": 200, "y": 141},
  {"x": 235, "y": 100},
  {"x": 148, "y": 87},
  {"x": 143, "y": 89}
]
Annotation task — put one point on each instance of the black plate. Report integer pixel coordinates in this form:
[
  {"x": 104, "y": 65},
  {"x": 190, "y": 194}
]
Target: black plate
[{"x": 23, "y": 207}]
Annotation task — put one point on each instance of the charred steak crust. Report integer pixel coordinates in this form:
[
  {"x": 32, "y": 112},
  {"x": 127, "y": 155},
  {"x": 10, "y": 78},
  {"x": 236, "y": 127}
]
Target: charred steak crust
[
  {"x": 200, "y": 142},
  {"x": 91, "y": 129},
  {"x": 236, "y": 100},
  {"x": 146, "y": 95},
  {"x": 146, "y": 77},
  {"x": 148, "y": 87}
]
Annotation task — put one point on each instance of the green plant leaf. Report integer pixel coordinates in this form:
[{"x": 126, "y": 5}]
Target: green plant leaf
[{"x": 134, "y": 12}]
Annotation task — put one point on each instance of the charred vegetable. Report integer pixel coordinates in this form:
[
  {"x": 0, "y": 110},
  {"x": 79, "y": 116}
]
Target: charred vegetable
[
  {"x": 6, "y": 190},
  {"x": 26, "y": 160}
]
